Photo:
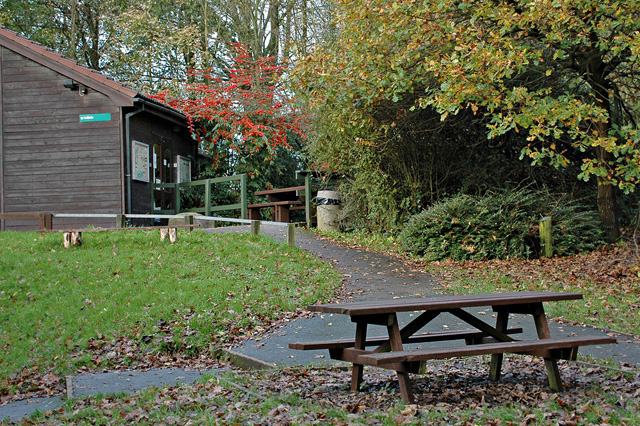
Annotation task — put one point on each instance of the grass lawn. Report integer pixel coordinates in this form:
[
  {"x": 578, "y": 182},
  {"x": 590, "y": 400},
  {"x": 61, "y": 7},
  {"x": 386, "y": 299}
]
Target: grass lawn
[{"x": 58, "y": 306}]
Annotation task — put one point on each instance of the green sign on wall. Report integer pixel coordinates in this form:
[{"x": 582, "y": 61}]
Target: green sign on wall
[{"x": 85, "y": 118}]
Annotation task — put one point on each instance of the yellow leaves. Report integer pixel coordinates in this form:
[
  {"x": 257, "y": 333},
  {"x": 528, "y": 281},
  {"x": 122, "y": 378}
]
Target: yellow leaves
[{"x": 364, "y": 142}]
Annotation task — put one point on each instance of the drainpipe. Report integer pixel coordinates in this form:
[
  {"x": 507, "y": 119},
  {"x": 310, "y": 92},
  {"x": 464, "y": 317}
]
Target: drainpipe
[{"x": 127, "y": 173}]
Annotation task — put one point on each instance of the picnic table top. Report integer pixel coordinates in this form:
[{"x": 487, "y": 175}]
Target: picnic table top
[
  {"x": 280, "y": 190},
  {"x": 443, "y": 302}
]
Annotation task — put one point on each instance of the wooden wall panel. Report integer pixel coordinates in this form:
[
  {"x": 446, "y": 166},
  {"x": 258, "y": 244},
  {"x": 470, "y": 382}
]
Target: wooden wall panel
[
  {"x": 52, "y": 161},
  {"x": 2, "y": 224},
  {"x": 151, "y": 130}
]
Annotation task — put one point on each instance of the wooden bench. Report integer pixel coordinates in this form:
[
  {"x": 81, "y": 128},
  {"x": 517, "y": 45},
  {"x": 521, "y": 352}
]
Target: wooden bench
[
  {"x": 280, "y": 210},
  {"x": 547, "y": 348},
  {"x": 283, "y": 201}
]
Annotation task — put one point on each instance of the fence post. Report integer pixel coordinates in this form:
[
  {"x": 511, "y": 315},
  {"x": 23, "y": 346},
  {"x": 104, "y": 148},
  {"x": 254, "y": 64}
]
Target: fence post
[
  {"x": 255, "y": 227},
  {"x": 45, "y": 221},
  {"x": 243, "y": 196},
  {"x": 546, "y": 237},
  {"x": 291, "y": 235},
  {"x": 176, "y": 190},
  {"x": 189, "y": 220},
  {"x": 120, "y": 221},
  {"x": 207, "y": 198},
  {"x": 306, "y": 174},
  {"x": 152, "y": 198},
  {"x": 307, "y": 199}
]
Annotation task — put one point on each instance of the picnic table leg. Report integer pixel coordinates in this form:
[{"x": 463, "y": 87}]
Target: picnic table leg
[
  {"x": 395, "y": 339},
  {"x": 358, "y": 369},
  {"x": 253, "y": 214},
  {"x": 496, "y": 359},
  {"x": 551, "y": 364},
  {"x": 281, "y": 214}
]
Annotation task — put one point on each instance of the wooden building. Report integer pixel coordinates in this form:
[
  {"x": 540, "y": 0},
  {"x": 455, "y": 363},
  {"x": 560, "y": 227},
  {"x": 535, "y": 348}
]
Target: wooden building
[{"x": 74, "y": 141}]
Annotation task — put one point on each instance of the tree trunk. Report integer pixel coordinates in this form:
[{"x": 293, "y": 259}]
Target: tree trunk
[
  {"x": 273, "y": 48},
  {"x": 607, "y": 208}
]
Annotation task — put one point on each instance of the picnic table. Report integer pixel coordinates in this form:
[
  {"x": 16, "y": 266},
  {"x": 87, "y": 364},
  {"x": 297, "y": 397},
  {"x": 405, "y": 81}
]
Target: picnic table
[
  {"x": 281, "y": 200},
  {"x": 481, "y": 339}
]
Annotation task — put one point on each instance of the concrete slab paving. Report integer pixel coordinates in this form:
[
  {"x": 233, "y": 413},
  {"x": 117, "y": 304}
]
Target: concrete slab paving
[
  {"x": 16, "y": 411},
  {"x": 109, "y": 383},
  {"x": 129, "y": 381}
]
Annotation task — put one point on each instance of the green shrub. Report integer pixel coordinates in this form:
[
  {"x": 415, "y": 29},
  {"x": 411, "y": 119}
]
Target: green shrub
[{"x": 500, "y": 226}]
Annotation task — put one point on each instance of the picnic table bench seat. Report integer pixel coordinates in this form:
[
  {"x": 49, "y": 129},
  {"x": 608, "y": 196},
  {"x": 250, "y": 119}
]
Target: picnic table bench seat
[
  {"x": 274, "y": 203},
  {"x": 281, "y": 200},
  {"x": 280, "y": 213},
  {"x": 548, "y": 348}
]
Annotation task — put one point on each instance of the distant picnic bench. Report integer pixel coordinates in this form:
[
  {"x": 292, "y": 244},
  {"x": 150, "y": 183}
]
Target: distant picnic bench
[
  {"x": 481, "y": 339},
  {"x": 282, "y": 201}
]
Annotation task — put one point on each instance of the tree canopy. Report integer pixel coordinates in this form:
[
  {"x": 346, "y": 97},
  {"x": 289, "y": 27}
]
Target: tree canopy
[
  {"x": 561, "y": 76},
  {"x": 152, "y": 45},
  {"x": 245, "y": 119}
]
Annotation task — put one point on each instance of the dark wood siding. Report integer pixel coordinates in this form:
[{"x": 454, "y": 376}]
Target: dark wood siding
[
  {"x": 52, "y": 162},
  {"x": 2, "y": 225},
  {"x": 151, "y": 129}
]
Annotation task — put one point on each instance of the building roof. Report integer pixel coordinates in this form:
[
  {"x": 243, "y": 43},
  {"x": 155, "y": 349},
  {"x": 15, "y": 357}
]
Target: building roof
[{"x": 116, "y": 91}]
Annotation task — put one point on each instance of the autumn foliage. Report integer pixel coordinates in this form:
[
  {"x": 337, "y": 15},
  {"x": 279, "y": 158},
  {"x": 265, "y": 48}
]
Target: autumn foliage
[
  {"x": 242, "y": 115},
  {"x": 408, "y": 84}
]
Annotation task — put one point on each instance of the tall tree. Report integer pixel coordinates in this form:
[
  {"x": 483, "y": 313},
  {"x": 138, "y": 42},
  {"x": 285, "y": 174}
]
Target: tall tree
[
  {"x": 244, "y": 118},
  {"x": 159, "y": 42},
  {"x": 79, "y": 29},
  {"x": 152, "y": 45},
  {"x": 562, "y": 74}
]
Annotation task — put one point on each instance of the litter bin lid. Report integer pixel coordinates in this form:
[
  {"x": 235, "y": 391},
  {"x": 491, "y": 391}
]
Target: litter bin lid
[{"x": 332, "y": 195}]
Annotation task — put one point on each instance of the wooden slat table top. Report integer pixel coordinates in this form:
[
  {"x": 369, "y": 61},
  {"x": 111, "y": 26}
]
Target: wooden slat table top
[
  {"x": 442, "y": 302},
  {"x": 275, "y": 203},
  {"x": 292, "y": 189}
]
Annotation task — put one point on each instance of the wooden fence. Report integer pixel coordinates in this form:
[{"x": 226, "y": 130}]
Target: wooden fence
[
  {"x": 45, "y": 221},
  {"x": 208, "y": 207}
]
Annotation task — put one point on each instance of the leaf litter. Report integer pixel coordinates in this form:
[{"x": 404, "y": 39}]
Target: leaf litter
[{"x": 450, "y": 392}]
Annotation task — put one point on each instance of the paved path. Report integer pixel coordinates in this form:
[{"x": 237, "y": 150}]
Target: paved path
[
  {"x": 101, "y": 383},
  {"x": 368, "y": 276}
]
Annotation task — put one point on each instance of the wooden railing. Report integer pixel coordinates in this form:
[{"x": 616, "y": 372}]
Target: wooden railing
[
  {"x": 120, "y": 221},
  {"x": 208, "y": 207},
  {"x": 44, "y": 220}
]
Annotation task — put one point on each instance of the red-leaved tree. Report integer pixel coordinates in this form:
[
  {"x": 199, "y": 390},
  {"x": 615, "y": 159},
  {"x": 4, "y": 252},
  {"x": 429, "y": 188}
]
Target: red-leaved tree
[{"x": 244, "y": 118}]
